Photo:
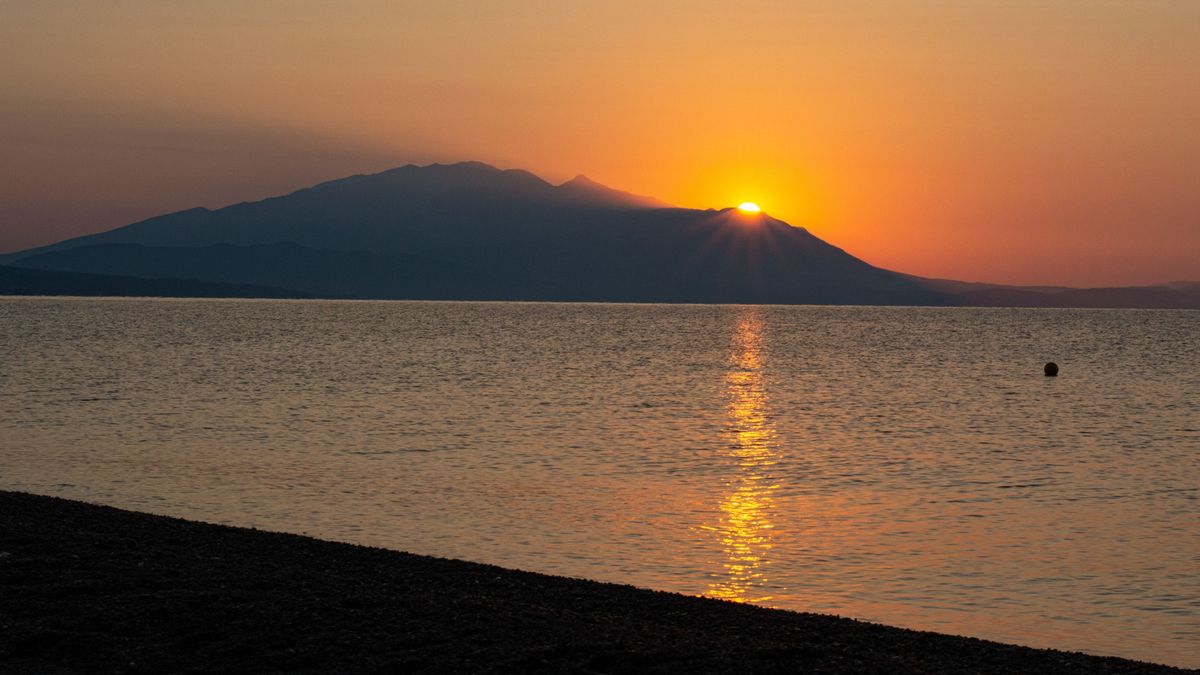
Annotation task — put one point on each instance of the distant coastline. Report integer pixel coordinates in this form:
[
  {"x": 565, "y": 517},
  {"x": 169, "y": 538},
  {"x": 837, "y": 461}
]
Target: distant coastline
[
  {"x": 97, "y": 589},
  {"x": 28, "y": 282}
]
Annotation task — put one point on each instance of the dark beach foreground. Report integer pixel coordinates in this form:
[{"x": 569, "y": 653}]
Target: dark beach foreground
[{"x": 88, "y": 588}]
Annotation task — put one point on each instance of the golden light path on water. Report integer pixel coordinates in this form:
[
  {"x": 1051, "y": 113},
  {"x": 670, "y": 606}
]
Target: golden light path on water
[{"x": 745, "y": 526}]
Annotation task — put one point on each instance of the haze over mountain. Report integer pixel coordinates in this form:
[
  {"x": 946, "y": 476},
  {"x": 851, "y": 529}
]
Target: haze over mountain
[{"x": 472, "y": 231}]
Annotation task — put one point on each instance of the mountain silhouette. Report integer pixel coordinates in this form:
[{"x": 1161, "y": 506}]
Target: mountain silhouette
[
  {"x": 470, "y": 231},
  {"x": 583, "y": 190},
  {"x": 403, "y": 209}
]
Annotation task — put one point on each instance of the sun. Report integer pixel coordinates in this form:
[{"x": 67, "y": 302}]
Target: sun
[{"x": 749, "y": 207}]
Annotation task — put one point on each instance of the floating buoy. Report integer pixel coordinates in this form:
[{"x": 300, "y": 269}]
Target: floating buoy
[{"x": 1051, "y": 369}]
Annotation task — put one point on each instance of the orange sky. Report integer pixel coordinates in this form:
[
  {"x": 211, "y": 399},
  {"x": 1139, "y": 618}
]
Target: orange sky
[{"x": 1014, "y": 140}]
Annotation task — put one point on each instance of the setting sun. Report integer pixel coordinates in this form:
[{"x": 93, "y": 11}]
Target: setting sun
[{"x": 749, "y": 207}]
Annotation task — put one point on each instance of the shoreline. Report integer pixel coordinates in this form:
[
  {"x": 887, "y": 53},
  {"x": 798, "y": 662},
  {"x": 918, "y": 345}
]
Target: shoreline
[
  {"x": 90, "y": 588},
  {"x": 534, "y": 301}
]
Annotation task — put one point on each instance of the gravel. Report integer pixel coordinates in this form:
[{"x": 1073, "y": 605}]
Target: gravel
[{"x": 90, "y": 589}]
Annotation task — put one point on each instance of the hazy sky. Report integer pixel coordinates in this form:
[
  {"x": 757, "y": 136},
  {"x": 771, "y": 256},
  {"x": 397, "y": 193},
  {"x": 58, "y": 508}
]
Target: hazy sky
[{"x": 1039, "y": 141}]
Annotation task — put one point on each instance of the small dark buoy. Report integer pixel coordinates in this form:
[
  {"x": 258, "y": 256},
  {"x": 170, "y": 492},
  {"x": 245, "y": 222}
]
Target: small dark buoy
[{"x": 1051, "y": 369}]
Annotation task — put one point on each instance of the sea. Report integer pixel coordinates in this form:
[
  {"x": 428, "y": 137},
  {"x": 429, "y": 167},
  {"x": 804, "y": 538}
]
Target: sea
[{"x": 909, "y": 466}]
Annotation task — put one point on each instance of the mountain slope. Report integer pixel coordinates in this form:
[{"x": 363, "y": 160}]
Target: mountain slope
[
  {"x": 667, "y": 255},
  {"x": 472, "y": 231},
  {"x": 584, "y": 190},
  {"x": 402, "y": 209}
]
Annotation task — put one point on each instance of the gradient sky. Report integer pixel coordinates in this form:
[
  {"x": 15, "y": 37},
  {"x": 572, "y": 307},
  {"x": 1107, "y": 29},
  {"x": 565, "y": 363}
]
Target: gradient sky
[{"x": 1021, "y": 141}]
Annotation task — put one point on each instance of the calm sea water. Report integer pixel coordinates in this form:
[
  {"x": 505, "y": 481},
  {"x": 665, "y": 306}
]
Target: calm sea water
[{"x": 908, "y": 466}]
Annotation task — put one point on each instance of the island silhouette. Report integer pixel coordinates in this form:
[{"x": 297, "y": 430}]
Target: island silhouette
[{"x": 470, "y": 231}]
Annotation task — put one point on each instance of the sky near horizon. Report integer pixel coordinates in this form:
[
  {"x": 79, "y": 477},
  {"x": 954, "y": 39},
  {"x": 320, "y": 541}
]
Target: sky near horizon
[{"x": 1015, "y": 141}]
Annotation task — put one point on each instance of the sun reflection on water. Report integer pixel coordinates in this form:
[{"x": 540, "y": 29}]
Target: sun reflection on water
[{"x": 745, "y": 527}]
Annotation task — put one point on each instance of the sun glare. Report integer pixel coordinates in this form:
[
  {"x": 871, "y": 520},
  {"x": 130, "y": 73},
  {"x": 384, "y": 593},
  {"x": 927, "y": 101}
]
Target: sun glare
[{"x": 749, "y": 207}]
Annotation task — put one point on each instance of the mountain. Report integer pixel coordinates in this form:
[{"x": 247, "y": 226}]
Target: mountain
[
  {"x": 17, "y": 281},
  {"x": 584, "y": 190},
  {"x": 404, "y": 209},
  {"x": 471, "y": 231}
]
